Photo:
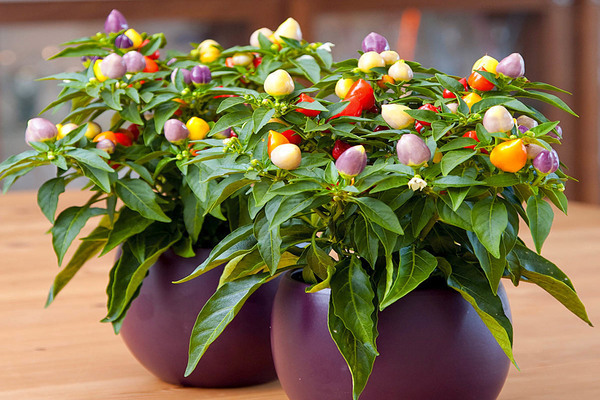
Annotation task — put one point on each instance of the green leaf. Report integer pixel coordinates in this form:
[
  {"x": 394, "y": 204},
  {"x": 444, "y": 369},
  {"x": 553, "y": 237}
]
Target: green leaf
[
  {"x": 291, "y": 205},
  {"x": 309, "y": 67},
  {"x": 352, "y": 297},
  {"x": 474, "y": 287},
  {"x": 89, "y": 158},
  {"x": 228, "y": 248},
  {"x": 140, "y": 197},
  {"x": 365, "y": 241},
  {"x": 493, "y": 267},
  {"x": 489, "y": 219},
  {"x": 128, "y": 224},
  {"x": 461, "y": 217},
  {"x": 162, "y": 113},
  {"x": 379, "y": 213},
  {"x": 540, "y": 216},
  {"x": 231, "y": 120},
  {"x": 455, "y": 181},
  {"x": 99, "y": 176},
  {"x": 296, "y": 187},
  {"x": 558, "y": 198},
  {"x": 421, "y": 216},
  {"x": 230, "y": 102},
  {"x": 16, "y": 159},
  {"x": 138, "y": 254},
  {"x": 80, "y": 51},
  {"x": 269, "y": 241},
  {"x": 86, "y": 250},
  {"x": 218, "y": 312},
  {"x": 261, "y": 117},
  {"x": 359, "y": 356},
  {"x": 132, "y": 114},
  {"x": 454, "y": 158},
  {"x": 47, "y": 197},
  {"x": 112, "y": 98},
  {"x": 321, "y": 264},
  {"x": 550, "y": 278},
  {"x": 193, "y": 213},
  {"x": 450, "y": 83},
  {"x": 68, "y": 225},
  {"x": 415, "y": 267}
]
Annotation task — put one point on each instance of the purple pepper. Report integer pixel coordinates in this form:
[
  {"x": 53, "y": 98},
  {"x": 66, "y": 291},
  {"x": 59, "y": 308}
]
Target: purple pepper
[
  {"x": 172, "y": 61},
  {"x": 523, "y": 128},
  {"x": 107, "y": 145},
  {"x": 512, "y": 66},
  {"x": 175, "y": 131},
  {"x": 187, "y": 76},
  {"x": 546, "y": 161},
  {"x": 201, "y": 74},
  {"x": 558, "y": 129},
  {"x": 134, "y": 61},
  {"x": 123, "y": 42},
  {"x": 352, "y": 161},
  {"x": 412, "y": 150},
  {"x": 115, "y": 22},
  {"x": 375, "y": 42},
  {"x": 39, "y": 130},
  {"x": 223, "y": 134},
  {"x": 113, "y": 66}
]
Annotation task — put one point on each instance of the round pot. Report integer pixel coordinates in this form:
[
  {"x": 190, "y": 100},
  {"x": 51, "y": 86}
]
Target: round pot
[
  {"x": 432, "y": 345},
  {"x": 159, "y": 322}
]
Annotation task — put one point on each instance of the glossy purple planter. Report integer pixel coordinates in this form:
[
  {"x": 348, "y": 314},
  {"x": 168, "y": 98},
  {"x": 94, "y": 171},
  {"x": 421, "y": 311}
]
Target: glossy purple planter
[
  {"x": 432, "y": 345},
  {"x": 160, "y": 320}
]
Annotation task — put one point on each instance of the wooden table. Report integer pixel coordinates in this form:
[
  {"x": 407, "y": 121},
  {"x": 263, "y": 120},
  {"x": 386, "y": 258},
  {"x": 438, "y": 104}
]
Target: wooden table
[{"x": 63, "y": 352}]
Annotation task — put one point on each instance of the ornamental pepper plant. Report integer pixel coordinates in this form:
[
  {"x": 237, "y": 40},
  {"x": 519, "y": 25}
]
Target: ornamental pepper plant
[
  {"x": 401, "y": 175},
  {"x": 153, "y": 172}
]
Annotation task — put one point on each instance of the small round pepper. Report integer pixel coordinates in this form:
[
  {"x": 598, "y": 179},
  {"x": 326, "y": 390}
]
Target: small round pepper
[{"x": 509, "y": 156}]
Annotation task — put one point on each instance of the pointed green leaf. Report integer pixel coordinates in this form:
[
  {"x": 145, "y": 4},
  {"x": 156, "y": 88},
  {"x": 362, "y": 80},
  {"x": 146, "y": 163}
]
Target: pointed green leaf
[
  {"x": 140, "y": 197},
  {"x": 473, "y": 286},
  {"x": 415, "y": 267},
  {"x": 86, "y": 250},
  {"x": 360, "y": 357},
  {"x": 47, "y": 197},
  {"x": 550, "y": 278},
  {"x": 128, "y": 224},
  {"x": 540, "y": 216},
  {"x": 218, "y": 312},
  {"x": 352, "y": 296},
  {"x": 379, "y": 213},
  {"x": 452, "y": 159},
  {"x": 489, "y": 219},
  {"x": 269, "y": 241},
  {"x": 68, "y": 225}
]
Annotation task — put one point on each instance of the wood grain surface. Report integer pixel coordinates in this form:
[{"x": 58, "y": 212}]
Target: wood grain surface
[{"x": 64, "y": 352}]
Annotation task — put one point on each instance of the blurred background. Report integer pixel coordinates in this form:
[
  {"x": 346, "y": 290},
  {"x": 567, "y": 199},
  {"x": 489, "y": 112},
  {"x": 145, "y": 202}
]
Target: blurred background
[{"x": 559, "y": 40}]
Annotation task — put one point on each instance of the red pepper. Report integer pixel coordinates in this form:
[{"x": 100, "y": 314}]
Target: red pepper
[
  {"x": 478, "y": 82},
  {"x": 307, "y": 99},
  {"x": 473, "y": 135},
  {"x": 223, "y": 95},
  {"x": 363, "y": 91},
  {"x": 292, "y": 136},
  {"x": 151, "y": 65},
  {"x": 353, "y": 109},
  {"x": 229, "y": 62},
  {"x": 338, "y": 148},
  {"x": 449, "y": 95},
  {"x": 257, "y": 60},
  {"x": 154, "y": 55},
  {"x": 429, "y": 107}
]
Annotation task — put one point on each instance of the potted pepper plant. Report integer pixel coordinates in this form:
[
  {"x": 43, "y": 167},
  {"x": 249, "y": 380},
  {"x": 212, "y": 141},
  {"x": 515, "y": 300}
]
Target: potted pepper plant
[
  {"x": 147, "y": 198},
  {"x": 399, "y": 207}
]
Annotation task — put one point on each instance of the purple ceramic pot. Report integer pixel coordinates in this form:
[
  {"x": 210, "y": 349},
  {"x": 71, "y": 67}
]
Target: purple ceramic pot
[
  {"x": 432, "y": 345},
  {"x": 159, "y": 323}
]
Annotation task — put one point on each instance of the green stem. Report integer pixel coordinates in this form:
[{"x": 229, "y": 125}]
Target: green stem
[{"x": 428, "y": 227}]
